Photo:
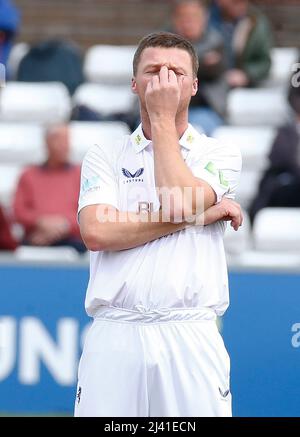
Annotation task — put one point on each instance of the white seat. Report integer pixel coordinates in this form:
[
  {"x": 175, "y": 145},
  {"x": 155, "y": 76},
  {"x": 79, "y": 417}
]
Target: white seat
[
  {"x": 277, "y": 229},
  {"x": 21, "y": 143},
  {"x": 9, "y": 177},
  {"x": 247, "y": 188},
  {"x": 254, "y": 142},
  {"x": 109, "y": 64},
  {"x": 283, "y": 58},
  {"x": 256, "y": 107},
  {"x": 47, "y": 254},
  {"x": 86, "y": 134},
  {"x": 237, "y": 242},
  {"x": 17, "y": 53},
  {"x": 47, "y": 102},
  {"x": 105, "y": 99}
]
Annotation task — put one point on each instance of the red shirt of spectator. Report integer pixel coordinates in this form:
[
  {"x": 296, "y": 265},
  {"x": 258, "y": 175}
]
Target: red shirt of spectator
[{"x": 47, "y": 195}]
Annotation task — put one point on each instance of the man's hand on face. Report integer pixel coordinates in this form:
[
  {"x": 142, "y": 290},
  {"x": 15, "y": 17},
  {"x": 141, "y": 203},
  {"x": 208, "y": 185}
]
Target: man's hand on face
[{"x": 163, "y": 95}]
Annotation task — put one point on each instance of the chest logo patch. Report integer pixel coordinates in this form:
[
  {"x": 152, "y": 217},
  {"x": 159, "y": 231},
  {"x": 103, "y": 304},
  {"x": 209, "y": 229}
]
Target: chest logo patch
[{"x": 133, "y": 177}]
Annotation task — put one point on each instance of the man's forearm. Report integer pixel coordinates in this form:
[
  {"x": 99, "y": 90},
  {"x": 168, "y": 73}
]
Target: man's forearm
[
  {"x": 172, "y": 173},
  {"x": 112, "y": 230},
  {"x": 126, "y": 230},
  {"x": 170, "y": 168}
]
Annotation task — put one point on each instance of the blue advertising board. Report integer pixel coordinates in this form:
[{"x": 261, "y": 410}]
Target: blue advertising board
[
  {"x": 261, "y": 330},
  {"x": 43, "y": 324}
]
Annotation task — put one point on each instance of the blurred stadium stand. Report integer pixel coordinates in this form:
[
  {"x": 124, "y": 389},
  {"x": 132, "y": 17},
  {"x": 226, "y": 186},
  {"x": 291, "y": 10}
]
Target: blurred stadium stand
[
  {"x": 92, "y": 22},
  {"x": 109, "y": 33}
]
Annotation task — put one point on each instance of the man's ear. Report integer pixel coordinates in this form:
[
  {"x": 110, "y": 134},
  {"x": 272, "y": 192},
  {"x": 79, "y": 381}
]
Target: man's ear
[
  {"x": 195, "y": 87},
  {"x": 133, "y": 86}
]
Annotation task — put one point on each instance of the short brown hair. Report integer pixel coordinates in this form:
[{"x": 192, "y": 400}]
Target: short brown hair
[{"x": 165, "y": 40}]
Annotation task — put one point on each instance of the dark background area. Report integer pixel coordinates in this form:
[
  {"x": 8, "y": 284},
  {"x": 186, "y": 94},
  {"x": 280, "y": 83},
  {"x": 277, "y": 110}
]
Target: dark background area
[{"x": 89, "y": 22}]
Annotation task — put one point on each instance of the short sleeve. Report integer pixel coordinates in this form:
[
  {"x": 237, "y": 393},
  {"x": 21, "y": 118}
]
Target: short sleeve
[
  {"x": 98, "y": 181},
  {"x": 220, "y": 166}
]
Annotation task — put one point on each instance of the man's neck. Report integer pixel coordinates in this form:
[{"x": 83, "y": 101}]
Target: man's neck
[
  {"x": 54, "y": 165},
  {"x": 181, "y": 123}
]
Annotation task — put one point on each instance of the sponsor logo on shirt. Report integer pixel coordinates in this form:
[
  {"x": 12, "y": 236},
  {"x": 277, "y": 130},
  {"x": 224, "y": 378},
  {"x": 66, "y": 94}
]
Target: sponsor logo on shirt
[
  {"x": 90, "y": 184},
  {"x": 138, "y": 139},
  {"x": 224, "y": 394},
  {"x": 133, "y": 177},
  {"x": 190, "y": 139}
]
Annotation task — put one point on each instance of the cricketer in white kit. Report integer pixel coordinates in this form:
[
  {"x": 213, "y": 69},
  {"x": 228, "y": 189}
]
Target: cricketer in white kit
[{"x": 158, "y": 275}]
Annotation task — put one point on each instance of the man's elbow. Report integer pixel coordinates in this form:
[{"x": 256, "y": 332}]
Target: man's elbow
[{"x": 94, "y": 241}]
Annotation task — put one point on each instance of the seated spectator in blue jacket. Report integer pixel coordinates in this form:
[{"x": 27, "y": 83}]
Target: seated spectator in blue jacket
[
  {"x": 52, "y": 60},
  {"x": 247, "y": 36},
  {"x": 207, "y": 108},
  {"x": 9, "y": 24}
]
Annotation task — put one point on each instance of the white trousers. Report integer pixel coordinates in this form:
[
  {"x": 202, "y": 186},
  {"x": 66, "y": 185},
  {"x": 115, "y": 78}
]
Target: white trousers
[{"x": 158, "y": 363}]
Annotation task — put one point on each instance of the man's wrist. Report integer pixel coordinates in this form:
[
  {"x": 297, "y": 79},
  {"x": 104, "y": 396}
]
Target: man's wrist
[{"x": 162, "y": 122}]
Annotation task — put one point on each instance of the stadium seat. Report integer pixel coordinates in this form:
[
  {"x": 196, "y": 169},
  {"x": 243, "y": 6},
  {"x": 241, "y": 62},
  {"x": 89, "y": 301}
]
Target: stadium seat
[
  {"x": 21, "y": 143},
  {"x": 17, "y": 53},
  {"x": 9, "y": 176},
  {"x": 47, "y": 102},
  {"x": 254, "y": 142},
  {"x": 283, "y": 59},
  {"x": 86, "y": 134},
  {"x": 47, "y": 254},
  {"x": 277, "y": 229},
  {"x": 247, "y": 188},
  {"x": 109, "y": 64},
  {"x": 105, "y": 99},
  {"x": 236, "y": 242},
  {"x": 257, "y": 107}
]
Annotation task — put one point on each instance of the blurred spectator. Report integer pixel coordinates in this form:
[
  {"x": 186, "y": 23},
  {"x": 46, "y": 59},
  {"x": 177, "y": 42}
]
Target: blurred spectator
[
  {"x": 280, "y": 184},
  {"x": 207, "y": 108},
  {"x": 47, "y": 195},
  {"x": 7, "y": 241},
  {"x": 247, "y": 37},
  {"x": 9, "y": 24},
  {"x": 50, "y": 61}
]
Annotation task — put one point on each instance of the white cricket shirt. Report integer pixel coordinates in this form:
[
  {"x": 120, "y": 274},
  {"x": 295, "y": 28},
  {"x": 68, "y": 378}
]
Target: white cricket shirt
[{"x": 186, "y": 269}]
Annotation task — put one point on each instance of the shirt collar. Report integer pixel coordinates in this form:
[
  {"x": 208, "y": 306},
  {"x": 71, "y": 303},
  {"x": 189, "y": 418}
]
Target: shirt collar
[
  {"x": 138, "y": 139},
  {"x": 140, "y": 142}
]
